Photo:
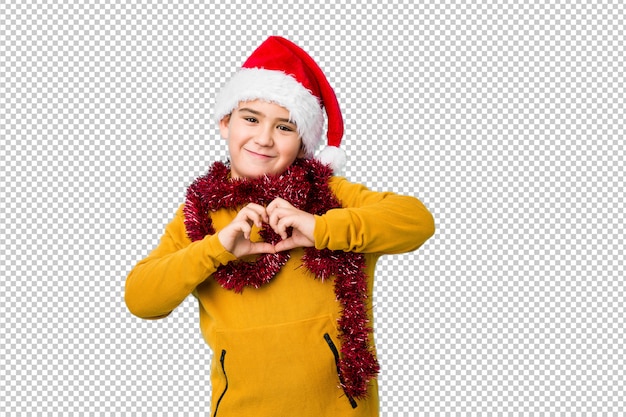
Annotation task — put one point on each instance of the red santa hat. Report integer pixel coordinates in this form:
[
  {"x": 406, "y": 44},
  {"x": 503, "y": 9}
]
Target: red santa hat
[{"x": 281, "y": 72}]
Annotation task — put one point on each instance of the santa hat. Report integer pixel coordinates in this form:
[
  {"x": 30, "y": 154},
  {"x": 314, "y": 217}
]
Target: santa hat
[{"x": 281, "y": 72}]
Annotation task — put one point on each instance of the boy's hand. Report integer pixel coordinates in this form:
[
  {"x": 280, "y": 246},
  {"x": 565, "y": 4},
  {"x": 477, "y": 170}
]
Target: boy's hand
[
  {"x": 283, "y": 215},
  {"x": 280, "y": 215},
  {"x": 236, "y": 236}
]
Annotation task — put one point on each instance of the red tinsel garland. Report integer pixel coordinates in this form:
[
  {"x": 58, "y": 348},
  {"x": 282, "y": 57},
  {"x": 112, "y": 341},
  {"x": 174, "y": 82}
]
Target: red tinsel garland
[{"x": 305, "y": 186}]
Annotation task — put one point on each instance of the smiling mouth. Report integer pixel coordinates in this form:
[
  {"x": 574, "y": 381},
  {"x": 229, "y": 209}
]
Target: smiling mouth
[{"x": 258, "y": 155}]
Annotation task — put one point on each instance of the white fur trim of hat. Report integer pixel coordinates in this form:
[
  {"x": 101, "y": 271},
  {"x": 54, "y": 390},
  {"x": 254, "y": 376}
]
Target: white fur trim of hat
[{"x": 276, "y": 87}]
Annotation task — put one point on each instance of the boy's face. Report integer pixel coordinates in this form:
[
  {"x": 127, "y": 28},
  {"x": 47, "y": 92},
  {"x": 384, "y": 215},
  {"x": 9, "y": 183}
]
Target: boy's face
[{"x": 261, "y": 139}]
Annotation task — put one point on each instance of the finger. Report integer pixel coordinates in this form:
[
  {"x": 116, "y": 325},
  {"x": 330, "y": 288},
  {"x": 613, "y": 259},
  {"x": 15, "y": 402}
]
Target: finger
[
  {"x": 261, "y": 247},
  {"x": 231, "y": 234},
  {"x": 286, "y": 244},
  {"x": 255, "y": 214},
  {"x": 244, "y": 228},
  {"x": 278, "y": 213},
  {"x": 280, "y": 221},
  {"x": 275, "y": 202},
  {"x": 257, "y": 209},
  {"x": 273, "y": 218},
  {"x": 260, "y": 210},
  {"x": 278, "y": 203}
]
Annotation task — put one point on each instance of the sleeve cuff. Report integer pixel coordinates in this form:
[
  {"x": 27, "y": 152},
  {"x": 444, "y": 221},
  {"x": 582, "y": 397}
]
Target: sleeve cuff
[{"x": 215, "y": 250}]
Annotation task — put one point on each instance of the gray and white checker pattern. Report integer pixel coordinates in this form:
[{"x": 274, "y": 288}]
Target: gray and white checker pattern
[{"x": 506, "y": 118}]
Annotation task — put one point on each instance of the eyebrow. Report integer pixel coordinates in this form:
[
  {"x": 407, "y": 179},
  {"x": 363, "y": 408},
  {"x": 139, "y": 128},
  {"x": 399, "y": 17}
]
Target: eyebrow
[{"x": 258, "y": 113}]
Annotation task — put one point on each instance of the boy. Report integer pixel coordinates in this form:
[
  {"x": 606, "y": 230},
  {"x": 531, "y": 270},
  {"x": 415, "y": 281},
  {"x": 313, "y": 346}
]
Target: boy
[{"x": 279, "y": 252}]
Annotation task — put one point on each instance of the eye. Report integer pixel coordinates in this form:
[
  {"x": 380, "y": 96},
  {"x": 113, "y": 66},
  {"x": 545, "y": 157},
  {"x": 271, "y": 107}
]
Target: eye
[
  {"x": 250, "y": 119},
  {"x": 286, "y": 128}
]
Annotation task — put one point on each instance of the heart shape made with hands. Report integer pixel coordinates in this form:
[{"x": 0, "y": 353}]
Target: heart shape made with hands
[{"x": 240, "y": 274}]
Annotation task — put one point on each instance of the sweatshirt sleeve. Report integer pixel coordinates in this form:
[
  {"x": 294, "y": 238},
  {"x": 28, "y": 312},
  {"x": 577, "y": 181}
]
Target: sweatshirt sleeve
[
  {"x": 373, "y": 222},
  {"x": 161, "y": 281}
]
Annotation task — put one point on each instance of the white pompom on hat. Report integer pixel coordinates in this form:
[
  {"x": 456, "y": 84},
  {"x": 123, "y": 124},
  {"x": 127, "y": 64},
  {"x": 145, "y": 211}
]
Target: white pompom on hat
[{"x": 281, "y": 72}]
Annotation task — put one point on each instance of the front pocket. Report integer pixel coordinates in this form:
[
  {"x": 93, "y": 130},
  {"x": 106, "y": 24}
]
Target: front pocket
[
  {"x": 335, "y": 351},
  {"x": 281, "y": 370},
  {"x": 223, "y": 366}
]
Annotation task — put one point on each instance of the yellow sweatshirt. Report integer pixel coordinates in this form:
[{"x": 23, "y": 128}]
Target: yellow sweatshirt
[{"x": 275, "y": 348}]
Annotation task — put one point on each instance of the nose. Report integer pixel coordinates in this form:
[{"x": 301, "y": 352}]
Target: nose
[{"x": 265, "y": 136}]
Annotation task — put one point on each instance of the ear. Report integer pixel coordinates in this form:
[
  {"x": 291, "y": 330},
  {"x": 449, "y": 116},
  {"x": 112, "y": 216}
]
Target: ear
[
  {"x": 225, "y": 126},
  {"x": 302, "y": 152}
]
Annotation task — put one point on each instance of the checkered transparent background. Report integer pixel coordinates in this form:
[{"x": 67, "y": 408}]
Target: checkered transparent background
[{"x": 505, "y": 118}]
